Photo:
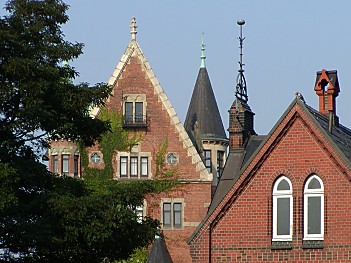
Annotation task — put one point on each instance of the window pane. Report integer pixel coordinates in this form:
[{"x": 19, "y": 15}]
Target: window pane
[
  {"x": 220, "y": 155},
  {"x": 55, "y": 164},
  {"x": 314, "y": 215},
  {"x": 283, "y": 185},
  {"x": 314, "y": 184},
  {"x": 143, "y": 166},
  {"x": 207, "y": 159},
  {"x": 123, "y": 166},
  {"x": 177, "y": 210},
  {"x": 65, "y": 161},
  {"x": 138, "y": 112},
  {"x": 128, "y": 111},
  {"x": 134, "y": 166},
  {"x": 76, "y": 164},
  {"x": 166, "y": 214},
  {"x": 139, "y": 213},
  {"x": 283, "y": 216}
]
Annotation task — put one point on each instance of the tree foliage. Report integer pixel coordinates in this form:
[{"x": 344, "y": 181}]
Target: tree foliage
[
  {"x": 44, "y": 217},
  {"x": 36, "y": 94}
]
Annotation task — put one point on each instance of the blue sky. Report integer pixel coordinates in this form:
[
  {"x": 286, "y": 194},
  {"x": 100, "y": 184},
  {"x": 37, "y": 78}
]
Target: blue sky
[{"x": 286, "y": 43}]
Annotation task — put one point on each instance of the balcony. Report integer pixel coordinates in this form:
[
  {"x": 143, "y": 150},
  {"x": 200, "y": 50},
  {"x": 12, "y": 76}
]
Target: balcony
[{"x": 134, "y": 121}]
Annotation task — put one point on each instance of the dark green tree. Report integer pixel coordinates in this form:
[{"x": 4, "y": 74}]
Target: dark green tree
[
  {"x": 36, "y": 94},
  {"x": 44, "y": 217}
]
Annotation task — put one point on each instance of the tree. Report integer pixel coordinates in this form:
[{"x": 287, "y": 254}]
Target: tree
[
  {"x": 43, "y": 217},
  {"x": 36, "y": 94}
]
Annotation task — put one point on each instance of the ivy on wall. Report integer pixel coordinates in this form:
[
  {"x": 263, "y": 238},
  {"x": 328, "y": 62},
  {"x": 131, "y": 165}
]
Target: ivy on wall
[{"x": 117, "y": 139}]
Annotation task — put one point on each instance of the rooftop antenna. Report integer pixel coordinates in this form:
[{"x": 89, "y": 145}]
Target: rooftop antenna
[
  {"x": 203, "y": 65},
  {"x": 241, "y": 91}
]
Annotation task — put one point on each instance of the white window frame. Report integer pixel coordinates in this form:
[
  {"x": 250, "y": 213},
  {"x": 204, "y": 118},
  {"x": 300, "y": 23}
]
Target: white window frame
[
  {"x": 313, "y": 193},
  {"x": 278, "y": 194}
]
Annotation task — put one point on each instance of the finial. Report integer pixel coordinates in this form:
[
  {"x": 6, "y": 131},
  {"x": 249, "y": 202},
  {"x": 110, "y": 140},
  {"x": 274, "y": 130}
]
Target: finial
[
  {"x": 133, "y": 28},
  {"x": 203, "y": 53},
  {"x": 241, "y": 91}
]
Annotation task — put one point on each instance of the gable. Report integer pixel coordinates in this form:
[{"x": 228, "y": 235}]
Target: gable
[
  {"x": 296, "y": 135},
  {"x": 133, "y": 75}
]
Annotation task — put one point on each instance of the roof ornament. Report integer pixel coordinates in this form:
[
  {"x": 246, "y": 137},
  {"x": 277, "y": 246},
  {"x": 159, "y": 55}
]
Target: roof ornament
[
  {"x": 241, "y": 91},
  {"x": 203, "y": 65},
  {"x": 133, "y": 27}
]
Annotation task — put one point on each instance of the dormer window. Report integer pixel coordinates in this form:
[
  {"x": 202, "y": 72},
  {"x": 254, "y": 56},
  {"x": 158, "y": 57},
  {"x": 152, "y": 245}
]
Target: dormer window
[{"x": 134, "y": 110}]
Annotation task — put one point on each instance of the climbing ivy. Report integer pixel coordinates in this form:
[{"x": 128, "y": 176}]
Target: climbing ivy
[{"x": 117, "y": 139}]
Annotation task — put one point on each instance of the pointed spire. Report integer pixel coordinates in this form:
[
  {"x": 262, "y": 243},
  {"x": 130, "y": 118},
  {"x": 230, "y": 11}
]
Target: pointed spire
[
  {"x": 133, "y": 27},
  {"x": 241, "y": 91},
  {"x": 203, "y": 65}
]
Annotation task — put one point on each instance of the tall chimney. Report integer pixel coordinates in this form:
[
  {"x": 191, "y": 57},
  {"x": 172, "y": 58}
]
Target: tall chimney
[{"x": 327, "y": 89}]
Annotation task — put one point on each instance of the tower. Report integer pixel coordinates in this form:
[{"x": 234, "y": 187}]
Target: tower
[{"x": 204, "y": 124}]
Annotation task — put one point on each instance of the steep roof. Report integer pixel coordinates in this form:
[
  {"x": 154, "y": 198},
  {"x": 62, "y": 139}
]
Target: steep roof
[
  {"x": 203, "y": 109},
  {"x": 238, "y": 162},
  {"x": 159, "y": 252},
  {"x": 134, "y": 50}
]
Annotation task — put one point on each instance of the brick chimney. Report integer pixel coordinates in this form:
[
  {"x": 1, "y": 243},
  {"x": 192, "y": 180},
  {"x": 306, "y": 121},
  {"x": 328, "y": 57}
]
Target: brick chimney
[
  {"x": 327, "y": 89},
  {"x": 241, "y": 125}
]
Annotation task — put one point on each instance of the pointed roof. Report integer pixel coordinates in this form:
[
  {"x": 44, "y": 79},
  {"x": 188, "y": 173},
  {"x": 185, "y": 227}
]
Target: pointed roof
[
  {"x": 203, "y": 107},
  {"x": 241, "y": 165},
  {"x": 134, "y": 50},
  {"x": 159, "y": 252}
]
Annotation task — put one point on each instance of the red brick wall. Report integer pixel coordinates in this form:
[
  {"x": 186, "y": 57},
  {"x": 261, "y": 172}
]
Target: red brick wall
[
  {"x": 196, "y": 195},
  {"x": 244, "y": 234}
]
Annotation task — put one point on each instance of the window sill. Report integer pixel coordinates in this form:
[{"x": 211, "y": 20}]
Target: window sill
[
  {"x": 281, "y": 245},
  {"x": 312, "y": 244}
]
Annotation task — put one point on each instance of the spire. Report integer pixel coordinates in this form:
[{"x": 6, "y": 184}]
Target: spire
[
  {"x": 133, "y": 28},
  {"x": 241, "y": 91},
  {"x": 203, "y": 53}
]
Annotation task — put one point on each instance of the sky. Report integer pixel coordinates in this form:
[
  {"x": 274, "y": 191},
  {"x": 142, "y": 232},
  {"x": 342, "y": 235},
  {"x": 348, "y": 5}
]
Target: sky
[{"x": 286, "y": 43}]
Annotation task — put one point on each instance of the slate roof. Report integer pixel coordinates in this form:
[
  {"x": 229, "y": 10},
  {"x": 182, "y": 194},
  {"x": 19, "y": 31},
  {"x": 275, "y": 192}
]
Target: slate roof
[
  {"x": 339, "y": 138},
  {"x": 203, "y": 109},
  {"x": 159, "y": 252}
]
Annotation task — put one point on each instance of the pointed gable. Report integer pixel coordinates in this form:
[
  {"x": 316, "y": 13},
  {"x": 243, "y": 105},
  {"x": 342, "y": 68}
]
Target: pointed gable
[
  {"x": 242, "y": 167},
  {"x": 203, "y": 109},
  {"x": 138, "y": 71}
]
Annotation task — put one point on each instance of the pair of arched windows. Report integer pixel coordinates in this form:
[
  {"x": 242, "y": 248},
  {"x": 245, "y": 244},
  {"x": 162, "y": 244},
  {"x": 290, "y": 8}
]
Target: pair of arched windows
[{"x": 313, "y": 204}]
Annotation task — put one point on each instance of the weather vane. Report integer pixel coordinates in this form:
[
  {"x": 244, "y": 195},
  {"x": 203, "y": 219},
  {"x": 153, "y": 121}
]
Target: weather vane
[{"x": 241, "y": 91}]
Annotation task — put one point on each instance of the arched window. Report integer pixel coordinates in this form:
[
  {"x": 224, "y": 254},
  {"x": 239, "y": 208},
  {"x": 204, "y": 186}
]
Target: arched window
[
  {"x": 282, "y": 210},
  {"x": 314, "y": 209}
]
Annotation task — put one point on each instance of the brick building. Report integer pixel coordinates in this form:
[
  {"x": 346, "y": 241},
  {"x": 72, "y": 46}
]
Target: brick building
[
  {"x": 146, "y": 110},
  {"x": 284, "y": 197}
]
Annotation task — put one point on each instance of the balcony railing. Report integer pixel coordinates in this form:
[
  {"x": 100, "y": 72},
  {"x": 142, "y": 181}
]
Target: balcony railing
[{"x": 134, "y": 121}]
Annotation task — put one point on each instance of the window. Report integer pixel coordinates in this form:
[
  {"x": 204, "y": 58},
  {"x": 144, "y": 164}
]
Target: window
[
  {"x": 220, "y": 156},
  {"x": 314, "y": 209},
  {"x": 172, "y": 158},
  {"x": 172, "y": 214},
  {"x": 55, "y": 164},
  {"x": 76, "y": 159},
  {"x": 144, "y": 166},
  {"x": 282, "y": 210},
  {"x": 207, "y": 159},
  {"x": 139, "y": 211},
  {"x": 134, "y": 110},
  {"x": 95, "y": 158},
  {"x": 166, "y": 214},
  {"x": 135, "y": 166},
  {"x": 65, "y": 163},
  {"x": 123, "y": 166},
  {"x": 138, "y": 112}
]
